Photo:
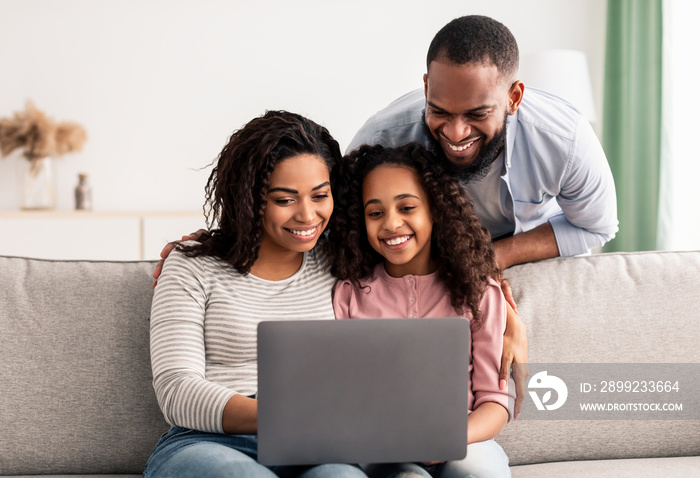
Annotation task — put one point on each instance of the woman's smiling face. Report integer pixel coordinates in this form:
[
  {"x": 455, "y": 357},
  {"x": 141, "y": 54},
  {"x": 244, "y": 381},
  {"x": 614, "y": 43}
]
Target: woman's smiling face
[
  {"x": 398, "y": 219},
  {"x": 299, "y": 204}
]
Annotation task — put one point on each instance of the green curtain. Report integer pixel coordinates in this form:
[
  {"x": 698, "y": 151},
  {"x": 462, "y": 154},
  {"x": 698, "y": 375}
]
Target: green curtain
[{"x": 632, "y": 118}]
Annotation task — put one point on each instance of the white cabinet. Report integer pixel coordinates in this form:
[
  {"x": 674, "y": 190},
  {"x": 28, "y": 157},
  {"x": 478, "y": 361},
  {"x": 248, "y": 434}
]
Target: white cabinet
[{"x": 93, "y": 235}]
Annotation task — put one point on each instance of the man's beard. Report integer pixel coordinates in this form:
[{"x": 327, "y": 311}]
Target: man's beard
[{"x": 479, "y": 168}]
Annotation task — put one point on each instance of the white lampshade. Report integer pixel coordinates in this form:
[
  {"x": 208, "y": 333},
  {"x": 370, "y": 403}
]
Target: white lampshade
[{"x": 563, "y": 73}]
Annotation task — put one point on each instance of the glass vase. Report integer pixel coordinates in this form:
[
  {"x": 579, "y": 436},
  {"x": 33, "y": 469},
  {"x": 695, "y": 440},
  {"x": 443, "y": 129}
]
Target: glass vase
[{"x": 38, "y": 184}]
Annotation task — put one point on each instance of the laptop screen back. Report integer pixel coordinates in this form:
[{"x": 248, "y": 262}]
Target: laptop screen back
[{"x": 362, "y": 391}]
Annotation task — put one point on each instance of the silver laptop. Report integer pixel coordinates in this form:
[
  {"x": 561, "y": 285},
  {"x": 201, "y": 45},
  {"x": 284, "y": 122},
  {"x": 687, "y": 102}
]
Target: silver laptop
[{"x": 362, "y": 391}]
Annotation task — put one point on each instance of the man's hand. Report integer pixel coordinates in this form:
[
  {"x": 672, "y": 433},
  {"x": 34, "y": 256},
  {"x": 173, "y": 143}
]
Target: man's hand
[
  {"x": 534, "y": 245},
  {"x": 193, "y": 236},
  {"x": 515, "y": 353}
]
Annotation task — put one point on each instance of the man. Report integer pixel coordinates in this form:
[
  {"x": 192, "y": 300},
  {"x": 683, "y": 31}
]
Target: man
[
  {"x": 535, "y": 170},
  {"x": 532, "y": 164}
]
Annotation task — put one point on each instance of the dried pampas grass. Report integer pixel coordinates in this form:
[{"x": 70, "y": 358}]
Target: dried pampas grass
[{"x": 39, "y": 135}]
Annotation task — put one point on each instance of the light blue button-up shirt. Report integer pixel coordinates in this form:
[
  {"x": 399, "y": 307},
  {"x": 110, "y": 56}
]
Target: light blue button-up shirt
[{"x": 555, "y": 168}]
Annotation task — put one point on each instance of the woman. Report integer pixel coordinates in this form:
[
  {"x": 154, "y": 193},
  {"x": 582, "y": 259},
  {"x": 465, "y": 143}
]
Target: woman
[{"x": 269, "y": 196}]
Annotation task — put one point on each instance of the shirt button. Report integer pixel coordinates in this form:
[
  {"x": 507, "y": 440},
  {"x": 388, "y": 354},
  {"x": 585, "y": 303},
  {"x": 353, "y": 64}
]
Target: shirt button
[
  {"x": 409, "y": 280},
  {"x": 413, "y": 316},
  {"x": 413, "y": 298}
]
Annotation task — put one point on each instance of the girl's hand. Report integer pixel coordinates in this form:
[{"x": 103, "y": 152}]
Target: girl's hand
[{"x": 486, "y": 422}]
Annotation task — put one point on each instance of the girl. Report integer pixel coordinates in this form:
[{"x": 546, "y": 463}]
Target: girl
[
  {"x": 270, "y": 196},
  {"x": 408, "y": 244}
]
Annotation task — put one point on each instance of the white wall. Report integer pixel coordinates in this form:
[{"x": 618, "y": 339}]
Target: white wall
[{"x": 159, "y": 85}]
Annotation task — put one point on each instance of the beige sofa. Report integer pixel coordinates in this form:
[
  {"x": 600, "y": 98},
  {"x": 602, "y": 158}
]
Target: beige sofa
[{"x": 76, "y": 396}]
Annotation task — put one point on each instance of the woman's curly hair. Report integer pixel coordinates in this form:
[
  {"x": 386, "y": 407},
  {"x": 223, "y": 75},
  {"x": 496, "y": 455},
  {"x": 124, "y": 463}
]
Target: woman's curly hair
[
  {"x": 237, "y": 187},
  {"x": 460, "y": 245}
]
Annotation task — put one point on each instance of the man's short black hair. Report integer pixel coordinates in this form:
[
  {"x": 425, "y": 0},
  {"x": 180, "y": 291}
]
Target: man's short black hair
[{"x": 476, "y": 39}]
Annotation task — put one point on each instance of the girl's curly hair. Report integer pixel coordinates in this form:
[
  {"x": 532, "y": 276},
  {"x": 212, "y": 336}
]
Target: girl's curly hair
[
  {"x": 460, "y": 245},
  {"x": 236, "y": 190}
]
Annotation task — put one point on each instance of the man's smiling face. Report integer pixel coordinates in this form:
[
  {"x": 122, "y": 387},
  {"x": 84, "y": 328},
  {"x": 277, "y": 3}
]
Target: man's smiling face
[{"x": 466, "y": 111}]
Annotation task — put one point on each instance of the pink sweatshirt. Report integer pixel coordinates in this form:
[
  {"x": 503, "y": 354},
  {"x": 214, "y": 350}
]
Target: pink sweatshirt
[{"x": 425, "y": 296}]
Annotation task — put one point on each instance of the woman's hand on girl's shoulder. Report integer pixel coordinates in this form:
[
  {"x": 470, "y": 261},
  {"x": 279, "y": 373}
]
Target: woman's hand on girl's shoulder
[
  {"x": 514, "y": 356},
  {"x": 508, "y": 294}
]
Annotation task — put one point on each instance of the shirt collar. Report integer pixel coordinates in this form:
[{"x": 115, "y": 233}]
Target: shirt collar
[
  {"x": 381, "y": 272},
  {"x": 511, "y": 132}
]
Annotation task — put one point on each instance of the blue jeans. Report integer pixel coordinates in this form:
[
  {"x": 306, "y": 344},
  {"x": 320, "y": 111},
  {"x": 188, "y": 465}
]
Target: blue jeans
[
  {"x": 183, "y": 453},
  {"x": 484, "y": 459}
]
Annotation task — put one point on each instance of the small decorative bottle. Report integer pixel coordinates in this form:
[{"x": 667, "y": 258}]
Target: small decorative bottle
[{"x": 83, "y": 193}]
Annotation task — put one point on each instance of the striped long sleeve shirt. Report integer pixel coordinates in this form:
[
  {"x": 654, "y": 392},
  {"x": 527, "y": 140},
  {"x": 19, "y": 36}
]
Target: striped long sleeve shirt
[{"x": 204, "y": 319}]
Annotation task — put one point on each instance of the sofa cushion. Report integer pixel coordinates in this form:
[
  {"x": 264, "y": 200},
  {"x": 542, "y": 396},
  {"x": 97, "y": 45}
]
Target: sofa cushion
[
  {"x": 76, "y": 394},
  {"x": 76, "y": 381},
  {"x": 607, "y": 308},
  {"x": 633, "y": 468}
]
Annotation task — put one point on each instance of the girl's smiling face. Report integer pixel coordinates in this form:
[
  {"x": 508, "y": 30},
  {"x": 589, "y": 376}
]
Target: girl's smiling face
[
  {"x": 398, "y": 219},
  {"x": 299, "y": 204}
]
